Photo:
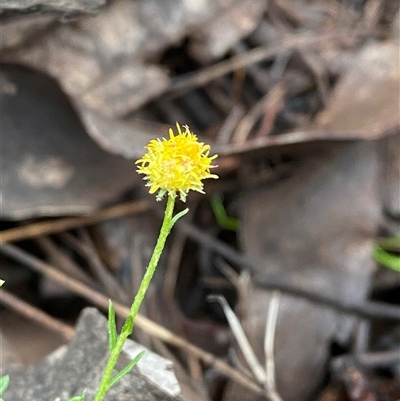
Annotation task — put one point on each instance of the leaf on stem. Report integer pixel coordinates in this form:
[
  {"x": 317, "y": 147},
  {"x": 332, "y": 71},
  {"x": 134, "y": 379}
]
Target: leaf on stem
[
  {"x": 126, "y": 369},
  {"x": 387, "y": 259},
  {"x": 178, "y": 216},
  {"x": 128, "y": 325}
]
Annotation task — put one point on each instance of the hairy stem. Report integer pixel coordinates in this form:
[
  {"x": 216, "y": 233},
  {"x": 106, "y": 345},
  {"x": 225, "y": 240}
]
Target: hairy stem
[{"x": 144, "y": 285}]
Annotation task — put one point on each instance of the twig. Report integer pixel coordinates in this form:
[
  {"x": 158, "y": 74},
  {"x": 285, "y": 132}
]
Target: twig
[
  {"x": 63, "y": 261},
  {"x": 382, "y": 128},
  {"x": 369, "y": 360},
  {"x": 142, "y": 322},
  {"x": 273, "y": 107},
  {"x": 228, "y": 127},
  {"x": 362, "y": 336},
  {"x": 50, "y": 227},
  {"x": 110, "y": 284},
  {"x": 269, "y": 340},
  {"x": 366, "y": 309},
  {"x": 36, "y": 315},
  {"x": 241, "y": 282},
  {"x": 269, "y": 105},
  {"x": 191, "y": 81},
  {"x": 241, "y": 339}
]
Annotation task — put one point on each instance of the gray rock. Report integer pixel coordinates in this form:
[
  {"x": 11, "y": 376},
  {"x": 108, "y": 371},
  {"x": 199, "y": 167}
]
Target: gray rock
[
  {"x": 57, "y": 5},
  {"x": 15, "y": 31},
  {"x": 79, "y": 366}
]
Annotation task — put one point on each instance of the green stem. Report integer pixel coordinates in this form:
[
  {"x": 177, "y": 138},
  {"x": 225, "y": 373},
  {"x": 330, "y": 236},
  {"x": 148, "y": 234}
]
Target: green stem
[{"x": 144, "y": 285}]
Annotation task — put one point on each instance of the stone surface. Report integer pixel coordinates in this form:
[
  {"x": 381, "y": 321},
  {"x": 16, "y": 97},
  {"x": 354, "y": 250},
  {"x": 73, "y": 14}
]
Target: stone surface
[
  {"x": 78, "y": 366},
  {"x": 49, "y": 165},
  {"x": 15, "y": 31},
  {"x": 57, "y": 5},
  {"x": 315, "y": 230}
]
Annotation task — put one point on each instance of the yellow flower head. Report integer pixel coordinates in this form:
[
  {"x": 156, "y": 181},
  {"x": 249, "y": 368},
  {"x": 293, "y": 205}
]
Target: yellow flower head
[{"x": 176, "y": 165}]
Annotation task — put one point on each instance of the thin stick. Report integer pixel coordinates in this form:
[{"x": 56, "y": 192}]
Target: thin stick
[
  {"x": 64, "y": 261},
  {"x": 269, "y": 106},
  {"x": 142, "y": 322},
  {"x": 206, "y": 75},
  {"x": 366, "y": 309},
  {"x": 36, "y": 315},
  {"x": 56, "y": 226},
  {"x": 269, "y": 340},
  {"x": 241, "y": 339},
  {"x": 369, "y": 360}
]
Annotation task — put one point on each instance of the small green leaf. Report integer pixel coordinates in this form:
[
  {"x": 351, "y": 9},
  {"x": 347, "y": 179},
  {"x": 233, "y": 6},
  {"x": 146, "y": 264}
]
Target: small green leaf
[
  {"x": 223, "y": 220},
  {"x": 77, "y": 398},
  {"x": 387, "y": 259},
  {"x": 1, "y": 282},
  {"x": 126, "y": 369},
  {"x": 112, "y": 327},
  {"x": 127, "y": 328},
  {"x": 178, "y": 216},
  {"x": 4, "y": 382}
]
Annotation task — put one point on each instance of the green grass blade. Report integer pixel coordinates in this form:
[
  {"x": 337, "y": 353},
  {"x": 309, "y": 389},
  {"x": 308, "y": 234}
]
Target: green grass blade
[
  {"x": 387, "y": 259},
  {"x": 4, "y": 382},
  {"x": 223, "y": 220},
  {"x": 126, "y": 369}
]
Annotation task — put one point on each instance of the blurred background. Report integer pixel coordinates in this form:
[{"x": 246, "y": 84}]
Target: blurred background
[{"x": 298, "y": 239}]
